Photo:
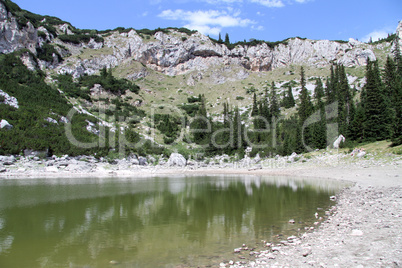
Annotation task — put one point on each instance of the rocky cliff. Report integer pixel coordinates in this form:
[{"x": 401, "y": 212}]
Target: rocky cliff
[
  {"x": 176, "y": 52},
  {"x": 13, "y": 38}
]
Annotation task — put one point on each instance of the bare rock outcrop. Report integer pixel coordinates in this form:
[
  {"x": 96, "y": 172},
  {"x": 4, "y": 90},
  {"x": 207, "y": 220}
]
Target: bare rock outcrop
[
  {"x": 12, "y": 37},
  {"x": 177, "y": 53}
]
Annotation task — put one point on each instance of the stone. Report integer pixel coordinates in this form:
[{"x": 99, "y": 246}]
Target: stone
[
  {"x": 292, "y": 221},
  {"x": 7, "y": 160},
  {"x": 5, "y": 125},
  {"x": 142, "y": 161},
  {"x": 9, "y": 100},
  {"x": 151, "y": 159},
  {"x": 177, "y": 160},
  {"x": 306, "y": 252},
  {"x": 338, "y": 141},
  {"x": 356, "y": 232},
  {"x": 292, "y": 157},
  {"x": 51, "y": 120}
]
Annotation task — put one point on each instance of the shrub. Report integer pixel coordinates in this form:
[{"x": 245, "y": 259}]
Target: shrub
[{"x": 46, "y": 53}]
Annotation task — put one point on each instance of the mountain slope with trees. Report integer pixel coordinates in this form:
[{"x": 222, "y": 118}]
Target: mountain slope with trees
[{"x": 214, "y": 98}]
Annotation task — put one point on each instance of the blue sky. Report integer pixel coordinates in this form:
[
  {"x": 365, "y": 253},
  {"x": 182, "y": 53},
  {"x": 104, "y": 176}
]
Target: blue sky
[{"x": 270, "y": 20}]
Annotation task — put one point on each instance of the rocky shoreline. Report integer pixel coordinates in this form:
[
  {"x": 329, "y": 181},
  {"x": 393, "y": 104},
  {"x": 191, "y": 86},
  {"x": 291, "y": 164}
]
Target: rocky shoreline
[{"x": 363, "y": 229}]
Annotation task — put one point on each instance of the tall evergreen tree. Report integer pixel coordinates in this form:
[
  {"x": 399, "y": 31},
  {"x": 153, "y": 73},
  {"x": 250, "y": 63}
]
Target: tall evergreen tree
[
  {"x": 288, "y": 99},
  {"x": 398, "y": 56},
  {"x": 393, "y": 84},
  {"x": 378, "y": 124},
  {"x": 319, "y": 131},
  {"x": 345, "y": 101},
  {"x": 220, "y": 38},
  {"x": 237, "y": 130},
  {"x": 254, "y": 111},
  {"x": 201, "y": 124},
  {"x": 274, "y": 105},
  {"x": 318, "y": 90},
  {"x": 227, "y": 41},
  {"x": 357, "y": 126},
  {"x": 305, "y": 109}
]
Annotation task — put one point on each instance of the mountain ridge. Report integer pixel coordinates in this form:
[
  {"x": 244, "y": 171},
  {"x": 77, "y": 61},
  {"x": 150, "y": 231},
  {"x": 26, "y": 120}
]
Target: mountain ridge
[{"x": 171, "y": 51}]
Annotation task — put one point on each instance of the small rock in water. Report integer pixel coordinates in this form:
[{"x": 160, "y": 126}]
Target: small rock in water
[
  {"x": 292, "y": 221},
  {"x": 113, "y": 262},
  {"x": 237, "y": 250},
  {"x": 333, "y": 198}
]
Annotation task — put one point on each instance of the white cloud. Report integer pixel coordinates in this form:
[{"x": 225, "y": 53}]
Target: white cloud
[
  {"x": 218, "y": 2},
  {"x": 376, "y": 35},
  {"x": 258, "y": 28},
  {"x": 266, "y": 3},
  {"x": 269, "y": 3},
  {"x": 207, "y": 22}
]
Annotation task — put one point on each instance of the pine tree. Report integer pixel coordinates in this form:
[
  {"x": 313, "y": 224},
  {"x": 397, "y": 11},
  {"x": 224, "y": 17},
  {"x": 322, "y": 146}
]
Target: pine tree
[
  {"x": 237, "y": 130},
  {"x": 378, "y": 124},
  {"x": 305, "y": 109},
  {"x": 356, "y": 128},
  {"x": 227, "y": 41},
  {"x": 220, "y": 39},
  {"x": 265, "y": 112},
  {"x": 200, "y": 123},
  {"x": 393, "y": 84},
  {"x": 254, "y": 111},
  {"x": 318, "y": 90},
  {"x": 331, "y": 89},
  {"x": 345, "y": 101},
  {"x": 299, "y": 143},
  {"x": 319, "y": 131},
  {"x": 274, "y": 106},
  {"x": 398, "y": 56},
  {"x": 291, "y": 100}
]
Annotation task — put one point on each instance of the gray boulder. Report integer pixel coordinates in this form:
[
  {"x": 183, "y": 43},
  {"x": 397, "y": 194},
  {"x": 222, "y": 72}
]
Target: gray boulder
[
  {"x": 7, "y": 160},
  {"x": 177, "y": 160},
  {"x": 142, "y": 161}
]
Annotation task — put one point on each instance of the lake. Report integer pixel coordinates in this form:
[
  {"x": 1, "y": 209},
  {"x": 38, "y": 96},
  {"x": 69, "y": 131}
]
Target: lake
[{"x": 179, "y": 221}]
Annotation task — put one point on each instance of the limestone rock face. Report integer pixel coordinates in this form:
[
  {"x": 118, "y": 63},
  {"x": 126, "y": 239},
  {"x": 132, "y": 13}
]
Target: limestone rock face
[
  {"x": 11, "y": 37},
  {"x": 9, "y": 100},
  {"x": 399, "y": 30},
  {"x": 174, "y": 52},
  {"x": 169, "y": 54}
]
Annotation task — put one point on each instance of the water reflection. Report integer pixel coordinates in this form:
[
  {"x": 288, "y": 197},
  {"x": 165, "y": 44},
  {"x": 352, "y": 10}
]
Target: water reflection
[{"x": 149, "y": 222}]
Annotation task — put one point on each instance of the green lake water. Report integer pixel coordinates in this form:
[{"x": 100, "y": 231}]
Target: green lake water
[{"x": 150, "y": 222}]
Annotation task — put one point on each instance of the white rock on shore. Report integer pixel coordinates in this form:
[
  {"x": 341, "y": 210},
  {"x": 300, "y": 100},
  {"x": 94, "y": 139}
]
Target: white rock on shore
[{"x": 177, "y": 160}]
